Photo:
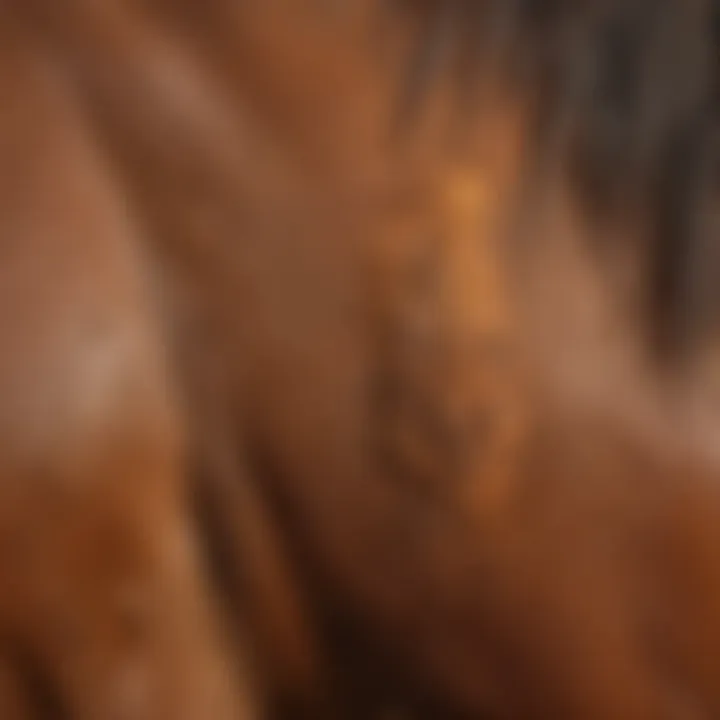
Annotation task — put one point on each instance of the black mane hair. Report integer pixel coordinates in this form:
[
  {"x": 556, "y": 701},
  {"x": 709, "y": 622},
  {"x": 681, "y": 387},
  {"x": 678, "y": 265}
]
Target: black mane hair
[{"x": 632, "y": 90}]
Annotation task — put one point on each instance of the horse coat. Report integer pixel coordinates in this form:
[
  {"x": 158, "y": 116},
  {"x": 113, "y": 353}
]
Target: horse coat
[{"x": 357, "y": 357}]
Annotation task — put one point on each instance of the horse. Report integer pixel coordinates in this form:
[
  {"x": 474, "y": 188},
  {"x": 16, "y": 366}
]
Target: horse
[{"x": 358, "y": 358}]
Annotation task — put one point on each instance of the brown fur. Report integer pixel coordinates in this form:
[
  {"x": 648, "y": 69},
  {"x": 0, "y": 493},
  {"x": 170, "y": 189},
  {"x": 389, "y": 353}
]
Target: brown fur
[{"x": 285, "y": 391}]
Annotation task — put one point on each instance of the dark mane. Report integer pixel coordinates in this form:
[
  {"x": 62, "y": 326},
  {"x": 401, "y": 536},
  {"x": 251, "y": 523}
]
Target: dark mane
[{"x": 626, "y": 98}]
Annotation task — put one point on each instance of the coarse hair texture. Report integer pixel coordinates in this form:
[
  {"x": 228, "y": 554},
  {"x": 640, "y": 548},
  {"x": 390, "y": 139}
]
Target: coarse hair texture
[{"x": 626, "y": 96}]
